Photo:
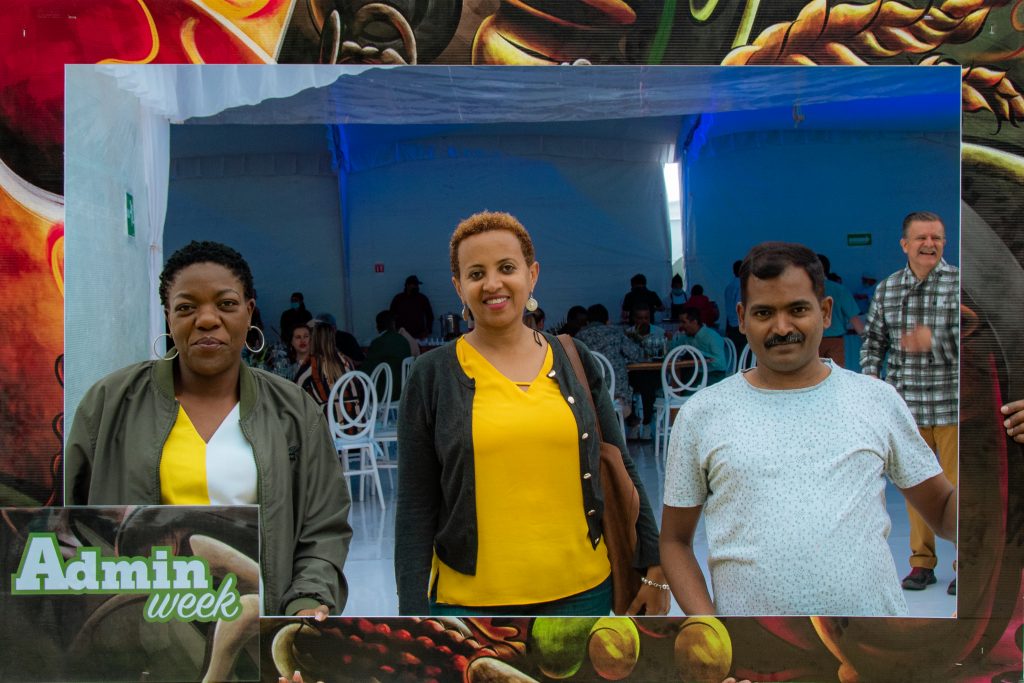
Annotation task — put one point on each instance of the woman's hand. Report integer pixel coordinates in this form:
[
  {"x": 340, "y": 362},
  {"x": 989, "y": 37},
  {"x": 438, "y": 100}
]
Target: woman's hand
[
  {"x": 651, "y": 600},
  {"x": 318, "y": 613},
  {"x": 1014, "y": 422}
]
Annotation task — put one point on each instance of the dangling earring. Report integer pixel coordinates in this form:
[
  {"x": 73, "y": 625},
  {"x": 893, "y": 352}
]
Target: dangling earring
[
  {"x": 156, "y": 354},
  {"x": 263, "y": 340},
  {"x": 531, "y": 304},
  {"x": 466, "y": 315}
]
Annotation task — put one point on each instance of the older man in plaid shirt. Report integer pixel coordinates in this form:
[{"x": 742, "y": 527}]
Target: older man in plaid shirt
[{"x": 915, "y": 319}]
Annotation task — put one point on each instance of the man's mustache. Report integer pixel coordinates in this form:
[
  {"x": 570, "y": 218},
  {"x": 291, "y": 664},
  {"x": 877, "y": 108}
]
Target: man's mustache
[{"x": 776, "y": 340}]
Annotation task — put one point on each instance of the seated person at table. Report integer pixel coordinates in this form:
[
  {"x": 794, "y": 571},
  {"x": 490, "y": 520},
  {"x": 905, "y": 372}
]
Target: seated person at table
[
  {"x": 534, "y": 319},
  {"x": 612, "y": 342},
  {"x": 651, "y": 340},
  {"x": 388, "y": 347},
  {"x": 575, "y": 320},
  {"x": 642, "y": 328},
  {"x": 788, "y": 461},
  {"x": 698, "y": 335}
]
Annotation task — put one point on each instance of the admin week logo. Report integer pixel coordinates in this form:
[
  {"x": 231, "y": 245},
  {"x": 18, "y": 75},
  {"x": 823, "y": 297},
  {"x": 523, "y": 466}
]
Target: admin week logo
[{"x": 179, "y": 587}]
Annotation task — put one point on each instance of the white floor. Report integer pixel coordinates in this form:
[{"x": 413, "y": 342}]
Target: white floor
[{"x": 371, "y": 577}]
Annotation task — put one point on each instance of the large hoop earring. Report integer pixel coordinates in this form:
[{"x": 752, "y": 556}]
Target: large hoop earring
[
  {"x": 156, "y": 354},
  {"x": 531, "y": 304},
  {"x": 263, "y": 340}
]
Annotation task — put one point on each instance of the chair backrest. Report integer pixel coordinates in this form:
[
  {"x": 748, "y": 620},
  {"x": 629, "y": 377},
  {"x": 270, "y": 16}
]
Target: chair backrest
[
  {"x": 607, "y": 371},
  {"x": 747, "y": 359},
  {"x": 730, "y": 355},
  {"x": 383, "y": 383},
  {"x": 683, "y": 372},
  {"x": 406, "y": 369},
  {"x": 352, "y": 408}
]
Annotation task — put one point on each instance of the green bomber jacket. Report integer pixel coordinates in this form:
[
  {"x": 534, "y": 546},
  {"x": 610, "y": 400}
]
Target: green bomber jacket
[
  {"x": 112, "y": 457},
  {"x": 436, "y": 508}
]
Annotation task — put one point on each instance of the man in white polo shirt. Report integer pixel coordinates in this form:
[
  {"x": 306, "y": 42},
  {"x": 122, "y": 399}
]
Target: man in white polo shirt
[{"x": 787, "y": 463}]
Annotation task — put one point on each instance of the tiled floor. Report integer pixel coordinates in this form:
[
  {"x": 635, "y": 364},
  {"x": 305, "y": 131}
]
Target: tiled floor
[{"x": 370, "y": 569}]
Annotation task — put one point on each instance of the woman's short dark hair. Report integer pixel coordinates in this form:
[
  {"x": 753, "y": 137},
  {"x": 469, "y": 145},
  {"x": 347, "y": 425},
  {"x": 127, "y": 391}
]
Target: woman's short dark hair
[
  {"x": 768, "y": 260},
  {"x": 205, "y": 252}
]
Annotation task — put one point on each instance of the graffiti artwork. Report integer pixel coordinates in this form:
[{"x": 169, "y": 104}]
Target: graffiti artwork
[{"x": 984, "y": 37}]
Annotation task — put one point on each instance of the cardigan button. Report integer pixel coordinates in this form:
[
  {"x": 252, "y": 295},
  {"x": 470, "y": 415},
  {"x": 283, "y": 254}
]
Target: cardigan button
[
  {"x": 551, "y": 374},
  {"x": 571, "y": 400},
  {"x": 585, "y": 436},
  {"x": 588, "y": 475},
  {"x": 591, "y": 513}
]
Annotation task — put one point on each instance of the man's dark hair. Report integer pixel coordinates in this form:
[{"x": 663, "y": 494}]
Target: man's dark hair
[
  {"x": 697, "y": 290},
  {"x": 577, "y": 314},
  {"x": 767, "y": 260},
  {"x": 925, "y": 216},
  {"x": 826, "y": 265},
  {"x": 205, "y": 252},
  {"x": 597, "y": 314},
  {"x": 677, "y": 280},
  {"x": 638, "y": 279},
  {"x": 385, "y": 320},
  {"x": 693, "y": 313}
]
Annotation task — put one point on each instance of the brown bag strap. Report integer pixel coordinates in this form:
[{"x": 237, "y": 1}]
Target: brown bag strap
[{"x": 569, "y": 344}]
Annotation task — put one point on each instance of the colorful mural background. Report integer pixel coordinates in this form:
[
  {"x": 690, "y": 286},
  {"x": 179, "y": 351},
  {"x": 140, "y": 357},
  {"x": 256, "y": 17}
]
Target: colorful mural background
[{"x": 985, "y": 37}]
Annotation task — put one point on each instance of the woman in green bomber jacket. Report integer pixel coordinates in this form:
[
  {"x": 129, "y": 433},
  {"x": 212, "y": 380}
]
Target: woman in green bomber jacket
[
  {"x": 499, "y": 506},
  {"x": 199, "y": 427}
]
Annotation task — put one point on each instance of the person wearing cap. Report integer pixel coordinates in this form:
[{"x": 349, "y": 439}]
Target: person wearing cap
[
  {"x": 295, "y": 315},
  {"x": 412, "y": 309}
]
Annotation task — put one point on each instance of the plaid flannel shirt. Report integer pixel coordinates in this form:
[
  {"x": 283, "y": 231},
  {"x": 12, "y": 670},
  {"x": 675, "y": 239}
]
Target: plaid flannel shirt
[{"x": 928, "y": 381}]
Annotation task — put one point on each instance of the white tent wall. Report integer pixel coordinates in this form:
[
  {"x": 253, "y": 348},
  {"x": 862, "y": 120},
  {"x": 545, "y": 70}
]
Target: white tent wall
[
  {"x": 815, "y": 187},
  {"x": 114, "y": 146},
  {"x": 594, "y": 224}
]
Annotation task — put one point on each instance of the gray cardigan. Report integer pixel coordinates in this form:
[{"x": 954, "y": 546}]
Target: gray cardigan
[{"x": 436, "y": 508}]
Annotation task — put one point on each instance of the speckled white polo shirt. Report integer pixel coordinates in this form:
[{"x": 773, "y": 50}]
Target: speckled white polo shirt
[{"x": 793, "y": 492}]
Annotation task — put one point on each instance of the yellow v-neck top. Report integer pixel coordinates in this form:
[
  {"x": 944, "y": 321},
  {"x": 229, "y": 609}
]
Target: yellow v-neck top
[
  {"x": 532, "y": 535},
  {"x": 219, "y": 472}
]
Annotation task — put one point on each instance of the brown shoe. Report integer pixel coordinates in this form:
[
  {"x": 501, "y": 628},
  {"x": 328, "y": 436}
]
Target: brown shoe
[
  {"x": 918, "y": 579},
  {"x": 951, "y": 589}
]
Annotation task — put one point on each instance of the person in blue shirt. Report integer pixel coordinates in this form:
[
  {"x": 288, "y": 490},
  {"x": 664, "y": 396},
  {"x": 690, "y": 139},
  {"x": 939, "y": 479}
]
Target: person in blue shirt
[
  {"x": 695, "y": 333},
  {"x": 729, "y": 303}
]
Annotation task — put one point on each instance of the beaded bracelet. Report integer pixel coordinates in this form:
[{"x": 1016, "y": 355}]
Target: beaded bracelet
[{"x": 644, "y": 580}]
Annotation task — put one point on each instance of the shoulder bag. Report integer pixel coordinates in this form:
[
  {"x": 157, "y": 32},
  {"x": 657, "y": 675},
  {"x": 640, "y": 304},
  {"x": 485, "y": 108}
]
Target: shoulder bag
[{"x": 621, "y": 502}]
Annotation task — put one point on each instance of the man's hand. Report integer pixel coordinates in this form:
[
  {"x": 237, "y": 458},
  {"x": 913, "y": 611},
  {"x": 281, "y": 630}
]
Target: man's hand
[
  {"x": 1014, "y": 421},
  {"x": 918, "y": 340}
]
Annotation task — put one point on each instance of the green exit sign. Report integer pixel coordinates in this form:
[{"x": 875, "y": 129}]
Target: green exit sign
[
  {"x": 129, "y": 216},
  {"x": 858, "y": 239}
]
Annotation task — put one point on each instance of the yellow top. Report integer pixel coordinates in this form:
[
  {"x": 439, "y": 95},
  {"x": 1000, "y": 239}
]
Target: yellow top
[
  {"x": 532, "y": 533},
  {"x": 219, "y": 472}
]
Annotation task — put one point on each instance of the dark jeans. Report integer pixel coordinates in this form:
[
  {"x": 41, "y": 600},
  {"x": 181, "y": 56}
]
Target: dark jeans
[
  {"x": 647, "y": 383},
  {"x": 596, "y": 601}
]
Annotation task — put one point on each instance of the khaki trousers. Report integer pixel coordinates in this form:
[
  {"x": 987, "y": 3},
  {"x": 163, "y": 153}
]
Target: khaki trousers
[{"x": 943, "y": 442}]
